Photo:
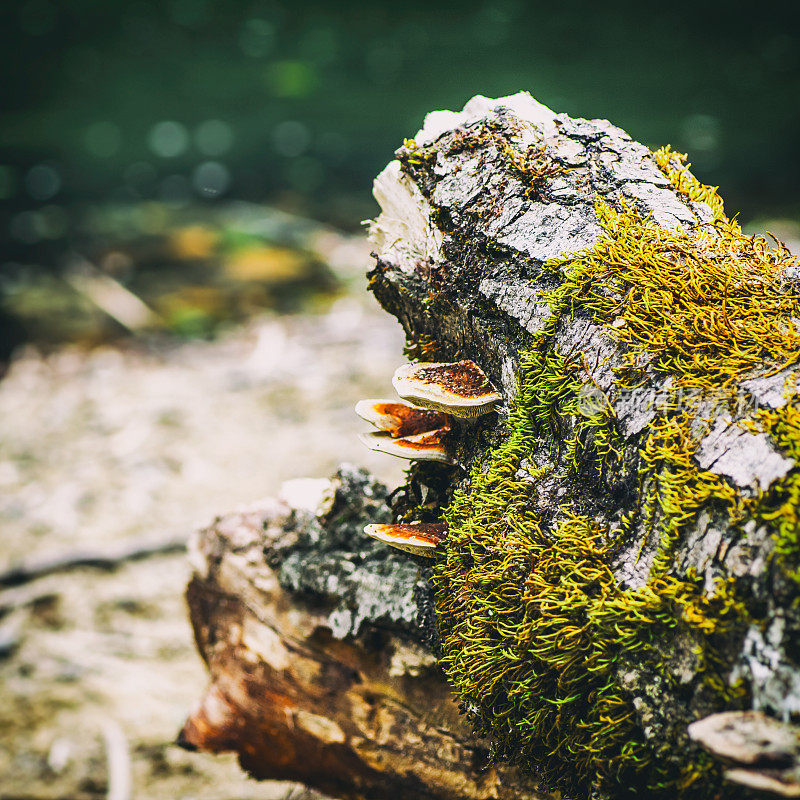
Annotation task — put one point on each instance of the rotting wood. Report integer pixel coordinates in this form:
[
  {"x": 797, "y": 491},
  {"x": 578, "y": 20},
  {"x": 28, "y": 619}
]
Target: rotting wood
[{"x": 308, "y": 630}]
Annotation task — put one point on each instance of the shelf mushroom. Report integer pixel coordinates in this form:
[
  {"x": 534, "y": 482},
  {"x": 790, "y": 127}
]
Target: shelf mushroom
[
  {"x": 416, "y": 429},
  {"x": 405, "y": 431},
  {"x": 420, "y": 538},
  {"x": 401, "y": 419},
  {"x": 427, "y": 446},
  {"x": 460, "y": 388}
]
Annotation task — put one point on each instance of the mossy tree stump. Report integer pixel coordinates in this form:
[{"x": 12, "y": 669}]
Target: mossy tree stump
[{"x": 624, "y": 548}]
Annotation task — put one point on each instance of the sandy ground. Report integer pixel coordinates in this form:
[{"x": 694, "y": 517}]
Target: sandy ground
[{"x": 117, "y": 444}]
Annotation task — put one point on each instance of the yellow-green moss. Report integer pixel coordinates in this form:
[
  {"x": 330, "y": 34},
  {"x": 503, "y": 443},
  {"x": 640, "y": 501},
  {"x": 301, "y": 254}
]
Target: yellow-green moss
[
  {"x": 708, "y": 305},
  {"x": 533, "y": 624},
  {"x": 676, "y": 168}
]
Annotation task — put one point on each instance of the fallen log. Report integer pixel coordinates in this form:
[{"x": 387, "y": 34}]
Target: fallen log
[{"x": 623, "y": 554}]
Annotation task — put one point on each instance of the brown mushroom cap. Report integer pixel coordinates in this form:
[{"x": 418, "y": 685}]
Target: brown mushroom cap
[
  {"x": 420, "y": 538},
  {"x": 401, "y": 419},
  {"x": 460, "y": 388},
  {"x": 426, "y": 446}
]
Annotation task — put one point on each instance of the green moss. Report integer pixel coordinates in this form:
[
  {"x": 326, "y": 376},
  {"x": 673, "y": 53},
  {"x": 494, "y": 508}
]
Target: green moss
[
  {"x": 533, "y": 623},
  {"x": 534, "y": 627},
  {"x": 707, "y": 305},
  {"x": 676, "y": 168}
]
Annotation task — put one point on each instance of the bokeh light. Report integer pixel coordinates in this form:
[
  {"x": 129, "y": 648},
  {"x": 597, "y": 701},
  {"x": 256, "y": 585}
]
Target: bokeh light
[
  {"x": 168, "y": 139},
  {"x": 211, "y": 179},
  {"x": 213, "y": 137},
  {"x": 291, "y": 138},
  {"x": 42, "y": 182}
]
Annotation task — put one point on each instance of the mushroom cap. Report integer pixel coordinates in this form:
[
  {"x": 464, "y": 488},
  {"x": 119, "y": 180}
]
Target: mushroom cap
[
  {"x": 460, "y": 388},
  {"x": 420, "y": 447},
  {"x": 401, "y": 419},
  {"x": 420, "y": 538}
]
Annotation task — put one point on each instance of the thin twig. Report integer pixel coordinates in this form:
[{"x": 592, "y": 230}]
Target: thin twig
[
  {"x": 118, "y": 759},
  {"x": 101, "y": 559}
]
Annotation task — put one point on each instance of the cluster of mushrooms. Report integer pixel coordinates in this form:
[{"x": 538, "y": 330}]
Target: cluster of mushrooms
[{"x": 416, "y": 427}]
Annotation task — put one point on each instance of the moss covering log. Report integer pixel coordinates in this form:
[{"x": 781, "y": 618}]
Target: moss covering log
[
  {"x": 623, "y": 554},
  {"x": 623, "y": 557}
]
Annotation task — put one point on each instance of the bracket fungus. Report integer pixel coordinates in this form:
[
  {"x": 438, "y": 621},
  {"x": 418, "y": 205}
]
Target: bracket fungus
[
  {"x": 405, "y": 431},
  {"x": 426, "y": 446},
  {"x": 401, "y": 419},
  {"x": 460, "y": 388},
  {"x": 419, "y": 538},
  {"x": 443, "y": 391}
]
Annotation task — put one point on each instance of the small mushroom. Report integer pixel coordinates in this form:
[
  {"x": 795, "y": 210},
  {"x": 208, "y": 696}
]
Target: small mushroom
[
  {"x": 763, "y": 752},
  {"x": 401, "y": 419},
  {"x": 460, "y": 388},
  {"x": 420, "y": 538},
  {"x": 747, "y": 737},
  {"x": 427, "y": 446}
]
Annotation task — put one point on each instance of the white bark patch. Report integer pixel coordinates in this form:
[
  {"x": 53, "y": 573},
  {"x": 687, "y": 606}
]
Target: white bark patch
[
  {"x": 546, "y": 231},
  {"x": 770, "y": 391},
  {"x": 520, "y": 300},
  {"x": 404, "y": 234},
  {"x": 521, "y": 104},
  {"x": 627, "y": 161},
  {"x": 664, "y": 207},
  {"x": 266, "y": 644},
  {"x": 775, "y": 684},
  {"x": 747, "y": 458},
  {"x": 321, "y": 728},
  {"x": 412, "y": 660},
  {"x": 462, "y": 183}
]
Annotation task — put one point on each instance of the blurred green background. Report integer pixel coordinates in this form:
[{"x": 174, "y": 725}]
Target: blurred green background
[{"x": 153, "y": 143}]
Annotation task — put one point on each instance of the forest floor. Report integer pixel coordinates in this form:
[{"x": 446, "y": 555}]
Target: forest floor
[{"x": 129, "y": 443}]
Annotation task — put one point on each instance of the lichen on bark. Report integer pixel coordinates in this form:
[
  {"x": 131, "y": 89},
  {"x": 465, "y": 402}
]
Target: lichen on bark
[
  {"x": 330, "y": 558},
  {"x": 615, "y": 567}
]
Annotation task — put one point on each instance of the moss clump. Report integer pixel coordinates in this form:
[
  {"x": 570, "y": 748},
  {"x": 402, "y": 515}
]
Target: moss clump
[
  {"x": 534, "y": 166},
  {"x": 708, "y": 305},
  {"x": 675, "y": 167},
  {"x": 534, "y": 627},
  {"x": 533, "y": 623}
]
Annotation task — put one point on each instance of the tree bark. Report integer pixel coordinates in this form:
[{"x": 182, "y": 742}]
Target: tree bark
[{"x": 472, "y": 212}]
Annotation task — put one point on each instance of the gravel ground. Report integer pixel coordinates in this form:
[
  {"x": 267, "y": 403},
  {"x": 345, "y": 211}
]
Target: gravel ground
[{"x": 126, "y": 443}]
